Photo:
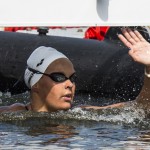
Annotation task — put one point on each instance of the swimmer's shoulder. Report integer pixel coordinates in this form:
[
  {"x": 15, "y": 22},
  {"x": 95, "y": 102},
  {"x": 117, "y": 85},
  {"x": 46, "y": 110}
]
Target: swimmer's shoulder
[{"x": 13, "y": 107}]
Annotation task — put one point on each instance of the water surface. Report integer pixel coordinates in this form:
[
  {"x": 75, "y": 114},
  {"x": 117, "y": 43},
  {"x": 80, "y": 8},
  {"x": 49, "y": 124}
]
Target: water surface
[{"x": 119, "y": 129}]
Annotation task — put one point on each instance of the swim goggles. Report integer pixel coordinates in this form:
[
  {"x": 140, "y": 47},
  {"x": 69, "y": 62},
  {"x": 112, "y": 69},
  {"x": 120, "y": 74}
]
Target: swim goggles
[{"x": 56, "y": 76}]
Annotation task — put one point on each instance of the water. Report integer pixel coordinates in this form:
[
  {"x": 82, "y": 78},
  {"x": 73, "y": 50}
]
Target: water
[
  {"x": 76, "y": 129},
  {"x": 28, "y": 130}
]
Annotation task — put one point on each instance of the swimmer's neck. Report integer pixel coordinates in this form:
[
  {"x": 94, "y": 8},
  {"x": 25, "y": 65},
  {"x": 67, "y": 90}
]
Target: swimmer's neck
[{"x": 38, "y": 108}]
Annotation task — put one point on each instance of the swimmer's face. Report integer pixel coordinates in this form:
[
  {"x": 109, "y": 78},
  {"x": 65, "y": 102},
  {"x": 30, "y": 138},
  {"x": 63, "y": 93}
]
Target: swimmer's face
[{"x": 57, "y": 95}]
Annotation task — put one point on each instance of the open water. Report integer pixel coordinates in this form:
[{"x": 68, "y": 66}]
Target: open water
[{"x": 76, "y": 129}]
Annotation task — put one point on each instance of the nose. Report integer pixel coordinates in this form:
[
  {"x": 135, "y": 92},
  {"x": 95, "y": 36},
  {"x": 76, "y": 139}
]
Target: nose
[{"x": 68, "y": 84}]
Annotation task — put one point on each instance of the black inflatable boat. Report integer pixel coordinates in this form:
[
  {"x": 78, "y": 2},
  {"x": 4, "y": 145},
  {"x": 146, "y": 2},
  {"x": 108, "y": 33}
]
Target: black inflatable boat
[{"x": 103, "y": 67}]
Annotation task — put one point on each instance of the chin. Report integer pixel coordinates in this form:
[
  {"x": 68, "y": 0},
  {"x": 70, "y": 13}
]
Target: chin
[{"x": 66, "y": 106}]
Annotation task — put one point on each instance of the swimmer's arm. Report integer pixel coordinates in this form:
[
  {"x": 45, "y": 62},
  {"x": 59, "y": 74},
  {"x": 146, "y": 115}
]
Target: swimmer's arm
[
  {"x": 12, "y": 108},
  {"x": 140, "y": 52},
  {"x": 118, "y": 105},
  {"x": 143, "y": 99}
]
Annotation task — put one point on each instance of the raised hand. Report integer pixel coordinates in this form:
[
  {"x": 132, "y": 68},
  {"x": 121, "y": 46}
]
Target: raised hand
[{"x": 139, "y": 47}]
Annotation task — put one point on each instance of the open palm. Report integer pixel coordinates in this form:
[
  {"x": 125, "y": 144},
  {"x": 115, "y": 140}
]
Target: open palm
[{"x": 139, "y": 47}]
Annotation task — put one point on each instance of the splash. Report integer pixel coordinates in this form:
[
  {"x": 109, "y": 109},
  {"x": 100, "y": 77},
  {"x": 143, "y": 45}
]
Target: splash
[{"x": 127, "y": 115}]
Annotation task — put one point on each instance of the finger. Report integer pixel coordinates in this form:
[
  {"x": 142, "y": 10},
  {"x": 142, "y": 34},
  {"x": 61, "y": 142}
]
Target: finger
[
  {"x": 139, "y": 36},
  {"x": 125, "y": 41},
  {"x": 133, "y": 35},
  {"x": 128, "y": 36}
]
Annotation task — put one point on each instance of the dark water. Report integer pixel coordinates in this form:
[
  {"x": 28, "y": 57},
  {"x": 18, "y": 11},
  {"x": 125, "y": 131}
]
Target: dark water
[{"x": 77, "y": 129}]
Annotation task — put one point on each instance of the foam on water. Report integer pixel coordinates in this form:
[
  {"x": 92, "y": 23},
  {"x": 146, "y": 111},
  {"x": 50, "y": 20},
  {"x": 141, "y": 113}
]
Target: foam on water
[{"x": 127, "y": 115}]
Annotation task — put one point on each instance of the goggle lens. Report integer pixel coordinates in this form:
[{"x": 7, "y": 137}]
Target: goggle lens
[{"x": 60, "y": 77}]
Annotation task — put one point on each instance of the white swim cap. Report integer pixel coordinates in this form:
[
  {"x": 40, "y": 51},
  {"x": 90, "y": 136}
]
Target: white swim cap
[{"x": 39, "y": 60}]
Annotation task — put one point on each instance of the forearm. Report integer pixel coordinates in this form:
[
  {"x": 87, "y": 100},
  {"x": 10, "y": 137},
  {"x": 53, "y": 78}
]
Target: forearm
[
  {"x": 144, "y": 96},
  {"x": 118, "y": 105}
]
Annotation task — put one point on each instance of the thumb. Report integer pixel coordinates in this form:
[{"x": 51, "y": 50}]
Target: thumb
[{"x": 130, "y": 52}]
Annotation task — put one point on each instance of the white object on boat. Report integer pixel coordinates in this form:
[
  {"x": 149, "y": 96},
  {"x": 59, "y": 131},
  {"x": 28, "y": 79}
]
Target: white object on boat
[
  {"x": 74, "y": 13},
  {"x": 76, "y": 32}
]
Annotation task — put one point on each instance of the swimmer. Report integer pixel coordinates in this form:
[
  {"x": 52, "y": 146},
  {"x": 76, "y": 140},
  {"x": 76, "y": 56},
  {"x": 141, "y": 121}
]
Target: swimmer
[{"x": 50, "y": 76}]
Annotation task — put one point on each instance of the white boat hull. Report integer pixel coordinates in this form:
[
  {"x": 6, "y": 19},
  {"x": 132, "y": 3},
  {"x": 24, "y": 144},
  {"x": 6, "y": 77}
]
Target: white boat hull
[{"x": 74, "y": 13}]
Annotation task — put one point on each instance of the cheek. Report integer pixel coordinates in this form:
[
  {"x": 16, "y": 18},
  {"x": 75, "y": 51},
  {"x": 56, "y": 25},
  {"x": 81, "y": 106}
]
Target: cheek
[
  {"x": 44, "y": 88},
  {"x": 55, "y": 93}
]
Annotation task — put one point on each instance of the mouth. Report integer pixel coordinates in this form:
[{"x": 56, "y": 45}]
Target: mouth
[{"x": 68, "y": 97}]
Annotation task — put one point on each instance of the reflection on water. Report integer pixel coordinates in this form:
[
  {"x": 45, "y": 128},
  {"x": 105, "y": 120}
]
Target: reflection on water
[
  {"x": 75, "y": 129},
  {"x": 54, "y": 133}
]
